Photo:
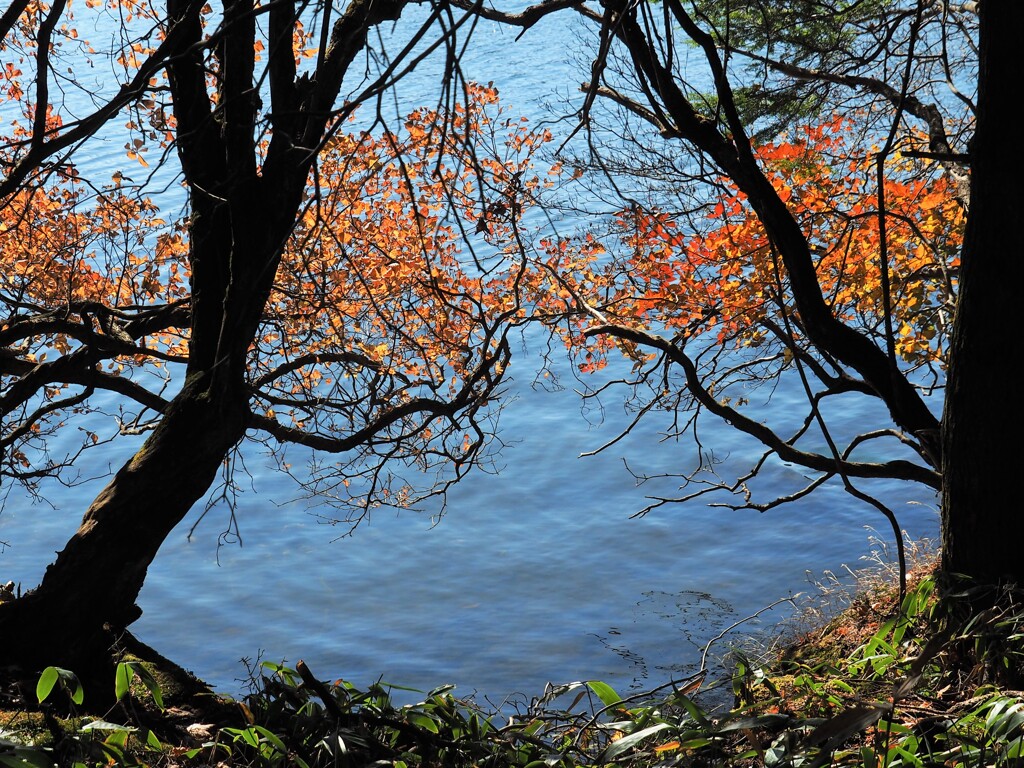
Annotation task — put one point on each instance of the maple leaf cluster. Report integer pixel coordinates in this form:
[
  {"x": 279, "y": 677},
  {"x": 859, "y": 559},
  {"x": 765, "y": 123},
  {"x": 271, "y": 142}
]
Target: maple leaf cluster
[{"x": 721, "y": 280}]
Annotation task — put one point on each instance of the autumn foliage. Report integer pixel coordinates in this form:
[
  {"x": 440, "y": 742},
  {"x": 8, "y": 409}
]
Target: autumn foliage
[
  {"x": 379, "y": 299},
  {"x": 260, "y": 266},
  {"x": 377, "y": 263},
  {"x": 409, "y": 257},
  {"x": 275, "y": 258},
  {"x": 718, "y": 278}
]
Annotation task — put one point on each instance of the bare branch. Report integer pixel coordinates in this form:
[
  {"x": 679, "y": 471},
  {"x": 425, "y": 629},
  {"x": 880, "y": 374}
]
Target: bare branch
[{"x": 897, "y": 468}]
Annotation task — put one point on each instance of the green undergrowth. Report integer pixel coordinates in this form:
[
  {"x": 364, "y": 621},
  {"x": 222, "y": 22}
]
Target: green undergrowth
[{"x": 926, "y": 681}]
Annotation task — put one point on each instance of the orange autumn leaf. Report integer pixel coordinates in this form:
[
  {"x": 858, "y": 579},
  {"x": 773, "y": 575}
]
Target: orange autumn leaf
[
  {"x": 668, "y": 746},
  {"x": 375, "y": 249},
  {"x": 724, "y": 281}
]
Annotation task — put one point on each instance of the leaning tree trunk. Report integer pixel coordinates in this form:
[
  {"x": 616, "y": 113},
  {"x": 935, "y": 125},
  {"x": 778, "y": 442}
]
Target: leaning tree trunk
[
  {"x": 243, "y": 205},
  {"x": 981, "y": 506},
  {"x": 91, "y": 588},
  {"x": 88, "y": 594}
]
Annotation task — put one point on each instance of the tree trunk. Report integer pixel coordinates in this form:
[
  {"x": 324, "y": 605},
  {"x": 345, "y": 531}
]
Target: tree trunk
[
  {"x": 981, "y": 501},
  {"x": 91, "y": 588},
  {"x": 242, "y": 213}
]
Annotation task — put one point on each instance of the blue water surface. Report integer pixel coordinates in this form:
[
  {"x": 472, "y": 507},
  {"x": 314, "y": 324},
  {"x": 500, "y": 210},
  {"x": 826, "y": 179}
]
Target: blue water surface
[{"x": 536, "y": 573}]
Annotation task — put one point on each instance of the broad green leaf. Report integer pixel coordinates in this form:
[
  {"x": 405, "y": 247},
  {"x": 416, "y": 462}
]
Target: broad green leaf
[
  {"x": 695, "y": 712},
  {"x": 150, "y": 682},
  {"x": 272, "y": 738},
  {"x": 1006, "y": 718},
  {"x": 701, "y": 741},
  {"x": 249, "y": 737},
  {"x": 423, "y": 722},
  {"x": 72, "y": 684},
  {"x": 1015, "y": 751},
  {"x": 113, "y": 752},
  {"x": 116, "y": 742},
  {"x": 533, "y": 727},
  {"x": 626, "y": 743},
  {"x": 152, "y": 740},
  {"x": 20, "y": 757},
  {"x": 103, "y": 725},
  {"x": 122, "y": 680},
  {"x": 769, "y": 720},
  {"x": 46, "y": 682},
  {"x": 604, "y": 692}
]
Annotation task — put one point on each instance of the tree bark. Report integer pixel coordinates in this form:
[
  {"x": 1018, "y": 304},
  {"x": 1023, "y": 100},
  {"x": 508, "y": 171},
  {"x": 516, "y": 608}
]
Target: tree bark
[
  {"x": 981, "y": 501},
  {"x": 92, "y": 586},
  {"x": 241, "y": 219}
]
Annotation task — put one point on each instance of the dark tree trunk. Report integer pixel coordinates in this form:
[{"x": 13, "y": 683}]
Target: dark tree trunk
[
  {"x": 91, "y": 588},
  {"x": 981, "y": 508},
  {"x": 242, "y": 216}
]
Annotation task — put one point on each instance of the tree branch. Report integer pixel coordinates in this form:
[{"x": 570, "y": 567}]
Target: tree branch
[
  {"x": 78, "y": 131},
  {"x": 898, "y": 468},
  {"x": 822, "y": 327}
]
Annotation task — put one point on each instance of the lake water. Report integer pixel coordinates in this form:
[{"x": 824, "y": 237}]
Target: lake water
[{"x": 535, "y": 574}]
